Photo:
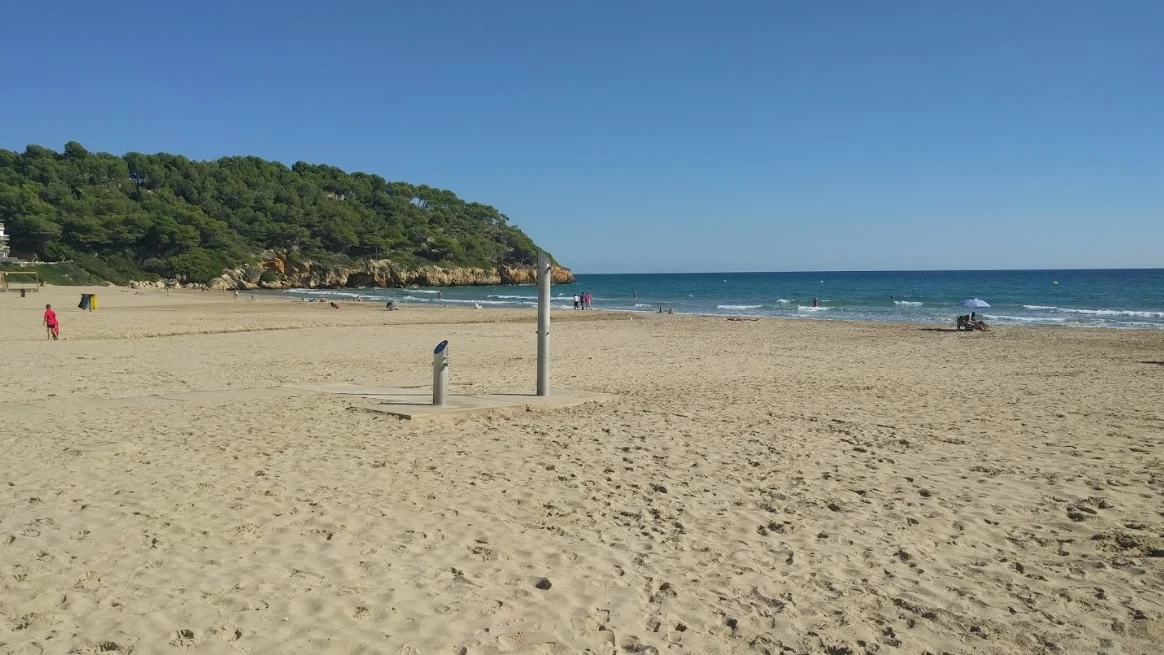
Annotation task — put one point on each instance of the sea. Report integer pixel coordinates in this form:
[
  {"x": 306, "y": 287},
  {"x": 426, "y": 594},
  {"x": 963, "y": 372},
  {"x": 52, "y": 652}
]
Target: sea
[{"x": 1116, "y": 298}]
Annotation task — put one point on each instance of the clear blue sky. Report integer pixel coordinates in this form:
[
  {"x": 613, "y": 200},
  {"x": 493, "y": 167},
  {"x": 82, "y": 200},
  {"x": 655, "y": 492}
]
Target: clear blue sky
[{"x": 632, "y": 135}]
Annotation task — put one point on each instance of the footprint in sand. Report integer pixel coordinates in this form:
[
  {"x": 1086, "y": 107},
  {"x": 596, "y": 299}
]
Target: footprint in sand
[
  {"x": 184, "y": 638},
  {"x": 527, "y": 640},
  {"x": 226, "y": 633}
]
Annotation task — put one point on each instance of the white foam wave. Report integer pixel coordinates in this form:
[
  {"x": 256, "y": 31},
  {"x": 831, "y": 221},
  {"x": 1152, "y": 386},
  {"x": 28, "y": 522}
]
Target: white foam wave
[
  {"x": 738, "y": 306},
  {"x": 810, "y": 308},
  {"x": 907, "y": 303},
  {"x": 317, "y": 292},
  {"x": 1098, "y": 312},
  {"x": 643, "y": 304},
  {"x": 1022, "y": 319},
  {"x": 1114, "y": 312},
  {"x": 423, "y": 291},
  {"x": 330, "y": 293},
  {"x": 462, "y": 301},
  {"x": 783, "y": 301},
  {"x": 514, "y": 297}
]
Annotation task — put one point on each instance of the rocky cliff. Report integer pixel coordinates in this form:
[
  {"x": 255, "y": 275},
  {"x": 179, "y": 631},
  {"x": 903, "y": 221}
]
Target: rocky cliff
[{"x": 277, "y": 272}]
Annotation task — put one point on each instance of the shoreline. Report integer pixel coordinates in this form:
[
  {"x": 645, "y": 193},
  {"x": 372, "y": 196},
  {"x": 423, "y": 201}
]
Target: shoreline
[
  {"x": 813, "y": 316},
  {"x": 320, "y": 315},
  {"x": 186, "y": 493}
]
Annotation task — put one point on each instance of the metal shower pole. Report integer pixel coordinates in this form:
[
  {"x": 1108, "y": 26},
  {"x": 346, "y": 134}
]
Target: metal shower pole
[
  {"x": 440, "y": 373},
  {"x": 544, "y": 275}
]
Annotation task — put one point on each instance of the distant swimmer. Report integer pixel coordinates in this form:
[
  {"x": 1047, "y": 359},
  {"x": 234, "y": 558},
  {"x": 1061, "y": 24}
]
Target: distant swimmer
[
  {"x": 635, "y": 295},
  {"x": 816, "y": 302}
]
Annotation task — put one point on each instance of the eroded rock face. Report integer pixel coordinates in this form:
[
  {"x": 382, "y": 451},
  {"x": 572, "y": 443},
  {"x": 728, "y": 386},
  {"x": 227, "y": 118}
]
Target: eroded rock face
[{"x": 374, "y": 273}]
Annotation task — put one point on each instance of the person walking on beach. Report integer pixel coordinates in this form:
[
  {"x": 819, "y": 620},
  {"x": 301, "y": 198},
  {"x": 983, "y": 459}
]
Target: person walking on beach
[
  {"x": 51, "y": 324},
  {"x": 577, "y": 301},
  {"x": 586, "y": 299}
]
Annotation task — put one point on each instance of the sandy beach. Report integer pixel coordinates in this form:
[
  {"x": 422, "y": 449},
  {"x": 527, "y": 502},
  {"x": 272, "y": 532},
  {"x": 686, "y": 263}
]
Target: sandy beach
[{"x": 776, "y": 486}]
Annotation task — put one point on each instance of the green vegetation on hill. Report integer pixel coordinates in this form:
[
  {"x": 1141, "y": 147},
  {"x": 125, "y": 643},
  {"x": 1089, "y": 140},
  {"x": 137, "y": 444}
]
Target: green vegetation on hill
[{"x": 144, "y": 216}]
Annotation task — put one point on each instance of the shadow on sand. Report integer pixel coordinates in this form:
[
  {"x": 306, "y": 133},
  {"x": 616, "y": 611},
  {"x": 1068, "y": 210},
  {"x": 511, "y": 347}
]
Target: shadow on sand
[
  {"x": 943, "y": 330},
  {"x": 1156, "y": 363}
]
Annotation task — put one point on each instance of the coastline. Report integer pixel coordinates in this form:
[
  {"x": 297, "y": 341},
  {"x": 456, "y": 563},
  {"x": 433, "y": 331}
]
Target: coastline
[
  {"x": 561, "y": 311},
  {"x": 562, "y": 305},
  {"x": 778, "y": 483},
  {"x": 1106, "y": 298}
]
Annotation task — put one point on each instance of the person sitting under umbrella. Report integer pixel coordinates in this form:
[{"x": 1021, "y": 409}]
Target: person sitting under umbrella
[{"x": 971, "y": 322}]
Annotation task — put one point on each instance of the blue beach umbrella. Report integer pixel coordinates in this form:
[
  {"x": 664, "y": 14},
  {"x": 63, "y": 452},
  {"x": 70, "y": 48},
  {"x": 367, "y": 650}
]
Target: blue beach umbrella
[{"x": 974, "y": 302}]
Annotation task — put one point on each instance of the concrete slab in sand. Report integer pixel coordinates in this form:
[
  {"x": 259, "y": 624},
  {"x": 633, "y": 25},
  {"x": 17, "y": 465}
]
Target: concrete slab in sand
[{"x": 414, "y": 403}]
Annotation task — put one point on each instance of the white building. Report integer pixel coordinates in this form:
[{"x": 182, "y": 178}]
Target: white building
[{"x": 3, "y": 242}]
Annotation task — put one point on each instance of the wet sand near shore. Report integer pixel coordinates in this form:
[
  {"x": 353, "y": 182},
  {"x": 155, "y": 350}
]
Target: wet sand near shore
[{"x": 776, "y": 486}]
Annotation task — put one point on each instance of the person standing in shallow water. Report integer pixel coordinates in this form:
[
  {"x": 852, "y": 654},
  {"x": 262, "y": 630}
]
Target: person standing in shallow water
[{"x": 51, "y": 324}]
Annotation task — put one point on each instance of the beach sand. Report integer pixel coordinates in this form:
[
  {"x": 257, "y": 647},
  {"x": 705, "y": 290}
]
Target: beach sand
[{"x": 776, "y": 486}]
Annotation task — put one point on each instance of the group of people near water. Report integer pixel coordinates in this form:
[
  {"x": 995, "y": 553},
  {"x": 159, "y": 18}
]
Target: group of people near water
[{"x": 582, "y": 300}]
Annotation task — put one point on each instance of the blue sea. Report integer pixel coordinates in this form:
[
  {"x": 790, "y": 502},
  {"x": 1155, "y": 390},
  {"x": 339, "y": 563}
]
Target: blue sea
[{"x": 1129, "y": 299}]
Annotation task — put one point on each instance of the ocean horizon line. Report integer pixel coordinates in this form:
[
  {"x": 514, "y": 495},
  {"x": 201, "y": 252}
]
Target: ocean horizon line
[{"x": 893, "y": 270}]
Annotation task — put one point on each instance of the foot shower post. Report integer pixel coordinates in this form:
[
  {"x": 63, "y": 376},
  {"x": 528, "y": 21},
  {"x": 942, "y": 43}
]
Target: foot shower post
[
  {"x": 544, "y": 275},
  {"x": 440, "y": 373}
]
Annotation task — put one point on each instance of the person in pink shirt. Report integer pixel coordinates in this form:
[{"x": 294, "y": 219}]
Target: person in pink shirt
[{"x": 51, "y": 324}]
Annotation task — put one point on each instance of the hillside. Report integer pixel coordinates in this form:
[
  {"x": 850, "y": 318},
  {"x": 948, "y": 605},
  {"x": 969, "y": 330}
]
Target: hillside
[{"x": 147, "y": 216}]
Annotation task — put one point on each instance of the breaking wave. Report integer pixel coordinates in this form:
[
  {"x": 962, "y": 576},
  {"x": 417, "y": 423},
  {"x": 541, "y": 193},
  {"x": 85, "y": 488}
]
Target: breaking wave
[{"x": 1098, "y": 312}]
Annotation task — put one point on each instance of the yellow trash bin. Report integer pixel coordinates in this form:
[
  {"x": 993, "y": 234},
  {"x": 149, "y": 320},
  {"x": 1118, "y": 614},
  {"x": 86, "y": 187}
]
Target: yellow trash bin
[{"x": 93, "y": 303}]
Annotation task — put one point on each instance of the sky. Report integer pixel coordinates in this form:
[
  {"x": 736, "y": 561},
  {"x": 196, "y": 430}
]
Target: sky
[{"x": 639, "y": 136}]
